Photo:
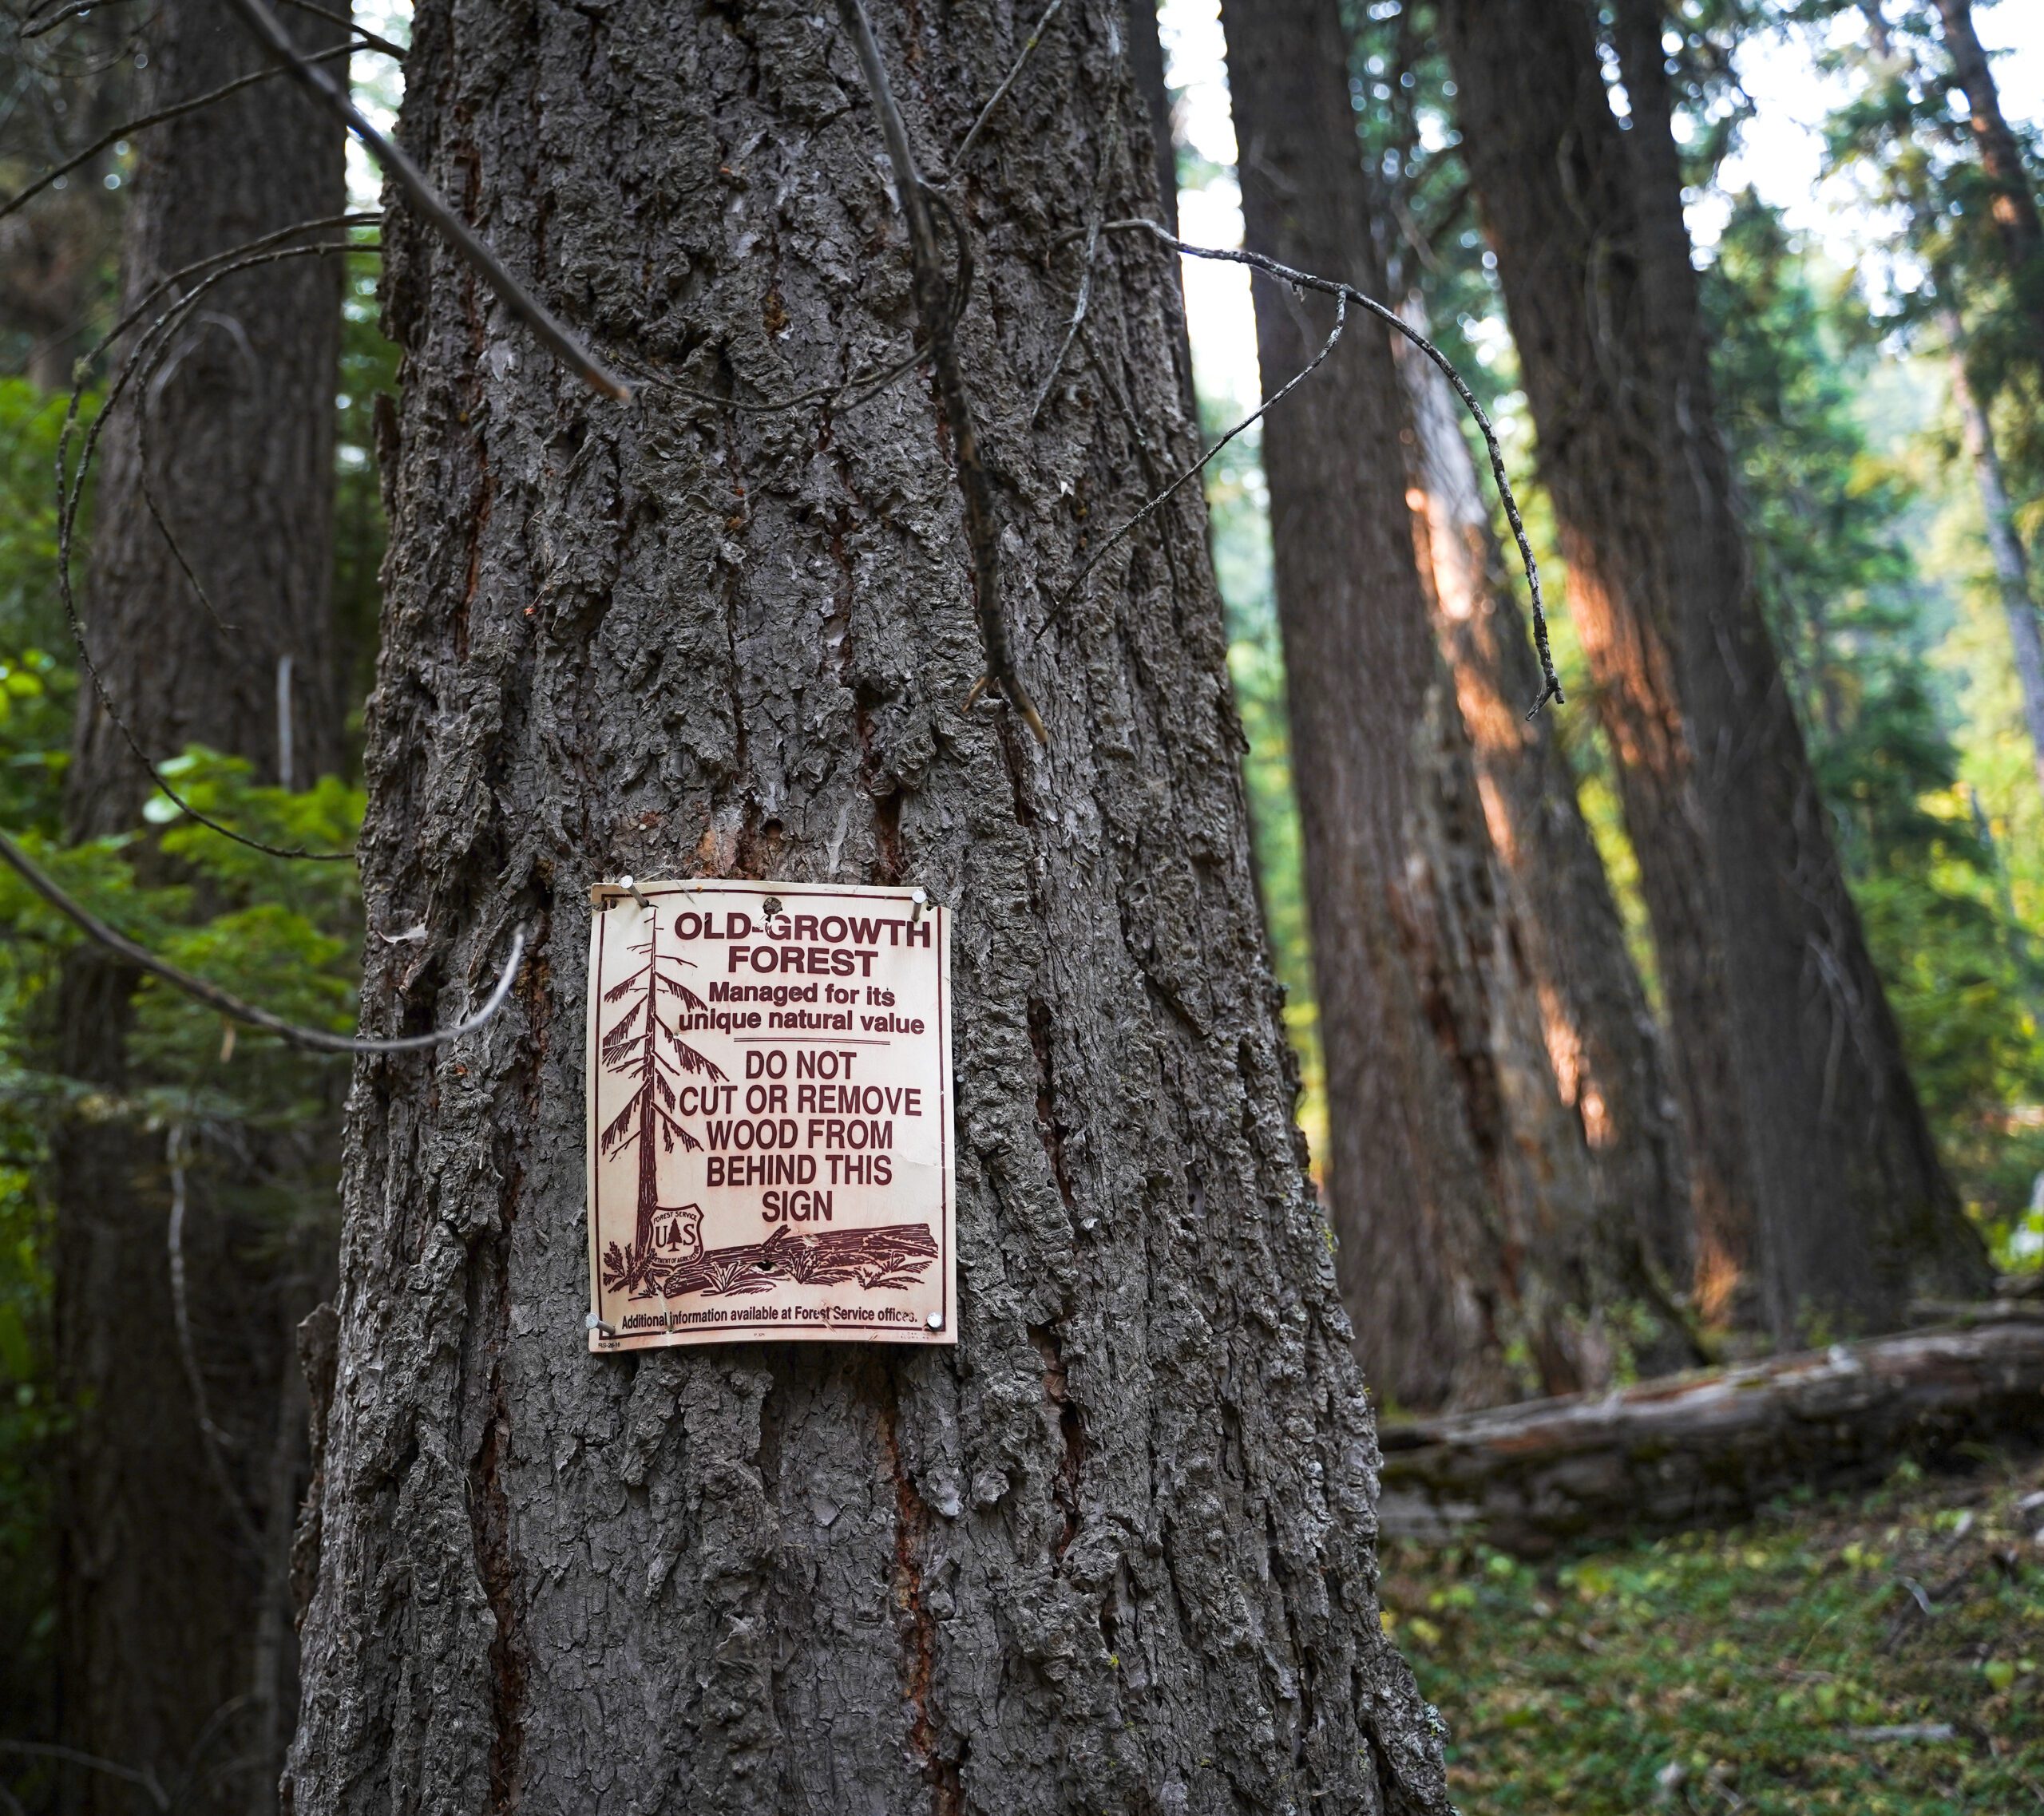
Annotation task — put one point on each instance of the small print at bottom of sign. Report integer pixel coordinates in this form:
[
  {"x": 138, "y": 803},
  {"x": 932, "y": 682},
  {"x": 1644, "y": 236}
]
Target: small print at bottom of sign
[{"x": 770, "y": 1116}]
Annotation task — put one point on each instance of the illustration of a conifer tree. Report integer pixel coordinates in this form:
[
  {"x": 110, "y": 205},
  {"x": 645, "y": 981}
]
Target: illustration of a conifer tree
[{"x": 643, "y": 1046}]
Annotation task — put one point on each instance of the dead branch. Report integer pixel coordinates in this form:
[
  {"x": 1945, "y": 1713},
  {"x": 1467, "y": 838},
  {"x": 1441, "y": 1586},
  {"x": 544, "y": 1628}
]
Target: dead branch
[
  {"x": 1109, "y": 144},
  {"x": 292, "y": 1034},
  {"x": 544, "y": 324},
  {"x": 1157, "y": 503},
  {"x": 933, "y": 302},
  {"x": 1028, "y": 49},
  {"x": 144, "y": 1781},
  {"x": 129, "y": 129},
  {"x": 1551, "y": 686}
]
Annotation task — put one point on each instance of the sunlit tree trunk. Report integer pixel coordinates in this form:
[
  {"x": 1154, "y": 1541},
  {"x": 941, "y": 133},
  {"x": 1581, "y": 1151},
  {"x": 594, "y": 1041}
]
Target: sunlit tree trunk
[
  {"x": 2015, "y": 205},
  {"x": 1818, "y": 1180},
  {"x": 173, "y": 1639},
  {"x": 1460, "y": 1183},
  {"x": 1607, "y": 1052},
  {"x": 1115, "y": 1551}
]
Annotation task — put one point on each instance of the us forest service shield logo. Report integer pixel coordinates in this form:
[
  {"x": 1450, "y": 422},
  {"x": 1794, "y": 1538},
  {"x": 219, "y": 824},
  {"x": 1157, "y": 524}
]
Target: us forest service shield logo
[{"x": 769, "y": 1115}]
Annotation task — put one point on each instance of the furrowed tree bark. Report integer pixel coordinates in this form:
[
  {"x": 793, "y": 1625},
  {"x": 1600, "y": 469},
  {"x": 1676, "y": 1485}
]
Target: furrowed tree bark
[
  {"x": 170, "y": 1594},
  {"x": 2014, "y": 208},
  {"x": 1606, "y": 1050},
  {"x": 1115, "y": 1550},
  {"x": 1460, "y": 1183},
  {"x": 1818, "y": 1183}
]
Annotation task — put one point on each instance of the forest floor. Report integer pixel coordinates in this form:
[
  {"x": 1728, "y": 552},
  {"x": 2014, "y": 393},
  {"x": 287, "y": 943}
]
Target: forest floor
[{"x": 1880, "y": 1652}]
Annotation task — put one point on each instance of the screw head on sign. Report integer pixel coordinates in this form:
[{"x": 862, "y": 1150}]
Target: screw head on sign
[
  {"x": 770, "y": 907},
  {"x": 624, "y": 883},
  {"x": 936, "y": 1320}
]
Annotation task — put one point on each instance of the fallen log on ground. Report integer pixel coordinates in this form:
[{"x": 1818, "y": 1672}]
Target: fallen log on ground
[{"x": 1709, "y": 1448}]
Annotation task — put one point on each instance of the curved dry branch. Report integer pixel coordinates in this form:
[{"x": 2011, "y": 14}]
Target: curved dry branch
[
  {"x": 1551, "y": 686},
  {"x": 1157, "y": 503},
  {"x": 292, "y": 1034},
  {"x": 130, "y": 127},
  {"x": 70, "y": 485}
]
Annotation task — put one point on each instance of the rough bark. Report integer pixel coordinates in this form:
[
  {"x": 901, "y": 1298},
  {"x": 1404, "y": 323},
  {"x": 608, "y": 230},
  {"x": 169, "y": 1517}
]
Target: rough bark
[
  {"x": 1115, "y": 1551},
  {"x": 167, "y": 1623},
  {"x": 2014, "y": 206},
  {"x": 1459, "y": 1184},
  {"x": 1817, "y": 1181},
  {"x": 2004, "y": 544},
  {"x": 1713, "y": 1449},
  {"x": 1605, "y": 1049}
]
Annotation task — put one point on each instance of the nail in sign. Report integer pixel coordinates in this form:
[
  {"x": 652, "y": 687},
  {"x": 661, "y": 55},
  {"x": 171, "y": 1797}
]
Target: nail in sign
[{"x": 770, "y": 1142}]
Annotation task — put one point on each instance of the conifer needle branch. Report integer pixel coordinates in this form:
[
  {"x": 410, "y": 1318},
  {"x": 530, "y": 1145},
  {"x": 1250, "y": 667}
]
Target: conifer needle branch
[
  {"x": 292, "y": 1034},
  {"x": 1551, "y": 682},
  {"x": 919, "y": 204},
  {"x": 544, "y": 324}
]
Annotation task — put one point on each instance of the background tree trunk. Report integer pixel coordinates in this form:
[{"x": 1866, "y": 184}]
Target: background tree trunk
[
  {"x": 166, "y": 1621},
  {"x": 1460, "y": 1186},
  {"x": 1601, "y": 1040},
  {"x": 2004, "y": 542},
  {"x": 1815, "y": 1167},
  {"x": 2015, "y": 206},
  {"x": 1115, "y": 1550}
]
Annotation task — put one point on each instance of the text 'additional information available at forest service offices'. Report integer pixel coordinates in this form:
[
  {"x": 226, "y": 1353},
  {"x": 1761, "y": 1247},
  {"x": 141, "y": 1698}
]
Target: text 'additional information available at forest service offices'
[{"x": 770, "y": 1146}]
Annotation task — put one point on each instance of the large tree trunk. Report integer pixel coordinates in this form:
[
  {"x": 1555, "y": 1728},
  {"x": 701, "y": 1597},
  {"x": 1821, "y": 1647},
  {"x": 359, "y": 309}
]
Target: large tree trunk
[
  {"x": 1115, "y": 1550},
  {"x": 2014, "y": 206},
  {"x": 1816, "y": 1169},
  {"x": 171, "y": 1592},
  {"x": 1460, "y": 1185},
  {"x": 1601, "y": 1041}
]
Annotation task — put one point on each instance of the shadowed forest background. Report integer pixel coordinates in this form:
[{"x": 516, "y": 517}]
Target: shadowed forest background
[{"x": 1876, "y": 360}]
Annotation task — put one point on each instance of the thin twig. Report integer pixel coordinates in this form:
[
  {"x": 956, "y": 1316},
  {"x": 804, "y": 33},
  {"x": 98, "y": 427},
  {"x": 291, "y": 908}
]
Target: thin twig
[
  {"x": 364, "y": 38},
  {"x": 130, "y": 127},
  {"x": 1157, "y": 503},
  {"x": 209, "y": 1433},
  {"x": 292, "y": 1034},
  {"x": 549, "y": 327},
  {"x": 93, "y": 1761},
  {"x": 1109, "y": 144},
  {"x": 368, "y": 40},
  {"x": 1551, "y": 686},
  {"x": 70, "y": 488},
  {"x": 932, "y": 302},
  {"x": 1028, "y": 49}
]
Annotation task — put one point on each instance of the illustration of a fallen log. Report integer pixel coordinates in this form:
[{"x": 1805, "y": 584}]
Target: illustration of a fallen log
[{"x": 885, "y": 1260}]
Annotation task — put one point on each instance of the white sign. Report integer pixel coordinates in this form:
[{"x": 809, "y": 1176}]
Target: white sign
[{"x": 770, "y": 1139}]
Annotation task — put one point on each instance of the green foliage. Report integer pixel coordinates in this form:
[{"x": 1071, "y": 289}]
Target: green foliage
[
  {"x": 282, "y": 934},
  {"x": 1742, "y": 1670}
]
